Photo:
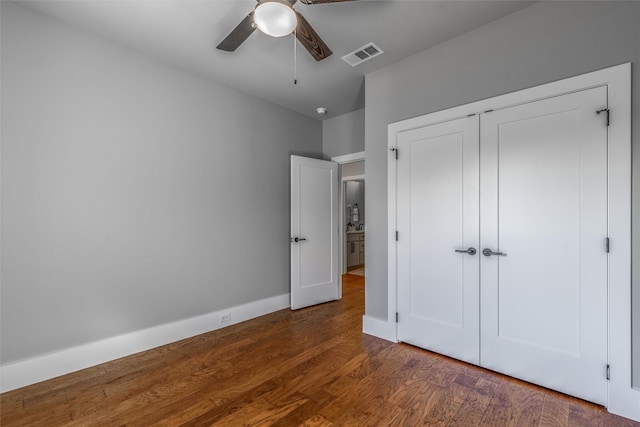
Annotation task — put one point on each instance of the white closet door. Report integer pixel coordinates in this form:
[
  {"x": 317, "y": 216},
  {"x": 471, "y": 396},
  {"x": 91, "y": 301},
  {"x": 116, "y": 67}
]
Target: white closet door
[
  {"x": 438, "y": 213},
  {"x": 544, "y": 204}
]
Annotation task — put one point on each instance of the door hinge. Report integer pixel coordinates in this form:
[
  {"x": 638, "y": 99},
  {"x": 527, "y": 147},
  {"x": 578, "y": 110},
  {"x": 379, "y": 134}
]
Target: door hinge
[
  {"x": 606, "y": 110},
  {"x": 607, "y": 244},
  {"x": 397, "y": 317},
  {"x": 608, "y": 372},
  {"x": 397, "y": 236},
  {"x": 395, "y": 150}
]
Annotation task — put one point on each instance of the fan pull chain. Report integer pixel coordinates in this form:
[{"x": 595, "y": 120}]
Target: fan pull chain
[{"x": 295, "y": 59}]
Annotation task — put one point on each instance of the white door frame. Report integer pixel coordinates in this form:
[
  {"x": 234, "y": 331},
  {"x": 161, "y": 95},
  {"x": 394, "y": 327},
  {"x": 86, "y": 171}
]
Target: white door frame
[
  {"x": 342, "y": 160},
  {"x": 622, "y": 398}
]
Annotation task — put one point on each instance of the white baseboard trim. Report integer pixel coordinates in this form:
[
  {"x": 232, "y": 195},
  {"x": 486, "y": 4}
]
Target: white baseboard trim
[
  {"x": 40, "y": 368},
  {"x": 379, "y": 328},
  {"x": 624, "y": 401}
]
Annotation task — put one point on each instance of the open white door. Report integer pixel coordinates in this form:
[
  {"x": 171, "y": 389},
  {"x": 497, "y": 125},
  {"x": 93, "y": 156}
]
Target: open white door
[{"x": 314, "y": 232}]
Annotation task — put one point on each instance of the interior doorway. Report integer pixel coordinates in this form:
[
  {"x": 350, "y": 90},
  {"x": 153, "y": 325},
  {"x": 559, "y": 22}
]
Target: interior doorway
[
  {"x": 352, "y": 217},
  {"x": 354, "y": 220}
]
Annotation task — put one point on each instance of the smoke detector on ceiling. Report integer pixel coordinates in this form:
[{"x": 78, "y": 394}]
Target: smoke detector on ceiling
[{"x": 360, "y": 55}]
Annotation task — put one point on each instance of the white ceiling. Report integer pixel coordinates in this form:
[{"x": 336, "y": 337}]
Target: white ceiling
[{"x": 185, "y": 33}]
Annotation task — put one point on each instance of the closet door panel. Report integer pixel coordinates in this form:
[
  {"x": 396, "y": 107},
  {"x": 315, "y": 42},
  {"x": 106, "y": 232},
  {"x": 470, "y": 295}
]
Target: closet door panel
[
  {"x": 544, "y": 205},
  {"x": 437, "y": 214}
]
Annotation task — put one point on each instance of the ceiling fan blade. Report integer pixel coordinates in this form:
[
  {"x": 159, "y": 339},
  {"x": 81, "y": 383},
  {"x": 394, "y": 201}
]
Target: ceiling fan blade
[
  {"x": 323, "y": 1},
  {"x": 238, "y": 35},
  {"x": 308, "y": 37}
]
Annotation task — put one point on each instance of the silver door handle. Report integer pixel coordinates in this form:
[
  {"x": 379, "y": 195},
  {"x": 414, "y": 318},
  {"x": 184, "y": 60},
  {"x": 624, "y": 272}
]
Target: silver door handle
[
  {"x": 470, "y": 251},
  {"x": 297, "y": 239},
  {"x": 489, "y": 252}
]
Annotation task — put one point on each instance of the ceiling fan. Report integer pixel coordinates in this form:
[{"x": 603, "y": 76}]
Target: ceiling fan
[{"x": 277, "y": 18}]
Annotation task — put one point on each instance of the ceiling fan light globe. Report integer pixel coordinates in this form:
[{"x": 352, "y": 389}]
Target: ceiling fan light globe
[{"x": 275, "y": 18}]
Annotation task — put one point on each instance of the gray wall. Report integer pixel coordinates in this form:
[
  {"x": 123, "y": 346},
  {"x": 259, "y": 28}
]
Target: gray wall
[
  {"x": 343, "y": 134},
  {"x": 133, "y": 194},
  {"x": 542, "y": 43}
]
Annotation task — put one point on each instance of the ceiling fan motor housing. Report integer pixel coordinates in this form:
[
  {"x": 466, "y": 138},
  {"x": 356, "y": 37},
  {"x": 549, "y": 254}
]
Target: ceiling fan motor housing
[{"x": 275, "y": 18}]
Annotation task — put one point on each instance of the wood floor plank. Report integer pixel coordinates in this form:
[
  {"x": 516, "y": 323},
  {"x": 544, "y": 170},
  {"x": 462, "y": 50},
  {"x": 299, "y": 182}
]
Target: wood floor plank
[
  {"x": 353, "y": 417},
  {"x": 279, "y": 411},
  {"x": 248, "y": 415},
  {"x": 300, "y": 415},
  {"x": 316, "y": 421},
  {"x": 225, "y": 409},
  {"x": 57, "y": 417},
  {"x": 380, "y": 413},
  {"x": 312, "y": 367},
  {"x": 422, "y": 404},
  {"x": 555, "y": 412},
  {"x": 404, "y": 395},
  {"x": 471, "y": 411},
  {"x": 306, "y": 377},
  {"x": 345, "y": 401},
  {"x": 499, "y": 410},
  {"x": 447, "y": 406}
]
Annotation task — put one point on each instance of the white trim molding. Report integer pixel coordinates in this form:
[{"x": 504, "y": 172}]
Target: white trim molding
[
  {"x": 623, "y": 399},
  {"x": 349, "y": 158},
  {"x": 31, "y": 371},
  {"x": 379, "y": 328},
  {"x": 352, "y": 178}
]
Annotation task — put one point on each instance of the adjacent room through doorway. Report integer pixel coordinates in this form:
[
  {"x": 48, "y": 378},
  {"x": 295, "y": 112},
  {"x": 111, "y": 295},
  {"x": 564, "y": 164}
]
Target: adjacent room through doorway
[{"x": 353, "y": 220}]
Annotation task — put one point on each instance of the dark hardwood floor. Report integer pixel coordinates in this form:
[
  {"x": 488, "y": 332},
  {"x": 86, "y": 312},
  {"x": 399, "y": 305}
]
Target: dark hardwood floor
[{"x": 311, "y": 367}]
